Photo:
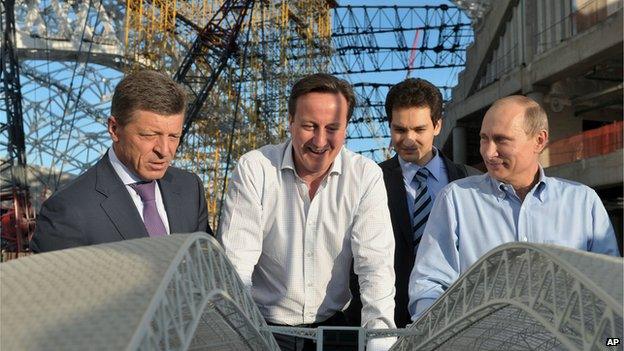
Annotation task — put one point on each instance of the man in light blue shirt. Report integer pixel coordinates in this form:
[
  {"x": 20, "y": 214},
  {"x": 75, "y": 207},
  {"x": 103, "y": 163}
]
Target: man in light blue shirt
[{"x": 514, "y": 201}]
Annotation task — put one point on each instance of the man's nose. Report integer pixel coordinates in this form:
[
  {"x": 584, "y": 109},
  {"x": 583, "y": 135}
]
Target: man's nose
[
  {"x": 410, "y": 138},
  {"x": 162, "y": 146},
  {"x": 320, "y": 138},
  {"x": 488, "y": 149}
]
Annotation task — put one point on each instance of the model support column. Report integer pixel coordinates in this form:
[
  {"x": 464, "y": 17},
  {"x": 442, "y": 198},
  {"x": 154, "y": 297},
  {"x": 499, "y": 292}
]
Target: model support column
[{"x": 459, "y": 145}]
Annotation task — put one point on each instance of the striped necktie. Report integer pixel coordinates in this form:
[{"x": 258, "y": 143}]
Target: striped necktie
[{"x": 422, "y": 204}]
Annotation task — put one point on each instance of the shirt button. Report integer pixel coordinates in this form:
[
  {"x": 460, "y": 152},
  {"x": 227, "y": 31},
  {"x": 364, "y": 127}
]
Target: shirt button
[
  {"x": 309, "y": 254},
  {"x": 309, "y": 285},
  {"x": 525, "y": 239}
]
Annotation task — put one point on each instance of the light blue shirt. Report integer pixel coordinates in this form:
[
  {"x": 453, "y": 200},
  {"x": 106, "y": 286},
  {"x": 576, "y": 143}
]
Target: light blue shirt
[
  {"x": 438, "y": 178},
  {"x": 473, "y": 215}
]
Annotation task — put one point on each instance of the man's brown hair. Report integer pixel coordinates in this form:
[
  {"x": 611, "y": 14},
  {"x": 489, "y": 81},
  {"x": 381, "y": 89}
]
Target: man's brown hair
[
  {"x": 415, "y": 92},
  {"x": 147, "y": 90},
  {"x": 321, "y": 83}
]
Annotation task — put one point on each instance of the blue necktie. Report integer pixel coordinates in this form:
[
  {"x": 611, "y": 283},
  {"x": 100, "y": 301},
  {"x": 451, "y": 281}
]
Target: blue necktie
[{"x": 422, "y": 204}]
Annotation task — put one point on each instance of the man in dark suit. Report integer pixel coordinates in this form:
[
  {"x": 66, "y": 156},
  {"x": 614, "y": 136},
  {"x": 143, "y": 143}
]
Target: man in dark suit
[
  {"x": 131, "y": 192},
  {"x": 412, "y": 177}
]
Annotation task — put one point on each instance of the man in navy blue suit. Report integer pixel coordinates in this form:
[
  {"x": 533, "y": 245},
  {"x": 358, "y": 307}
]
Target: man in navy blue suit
[{"x": 132, "y": 191}]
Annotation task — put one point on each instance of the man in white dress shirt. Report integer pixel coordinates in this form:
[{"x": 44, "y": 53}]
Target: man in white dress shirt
[{"x": 297, "y": 213}]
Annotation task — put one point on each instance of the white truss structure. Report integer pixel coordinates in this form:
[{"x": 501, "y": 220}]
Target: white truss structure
[
  {"x": 181, "y": 293},
  {"x": 178, "y": 292},
  {"x": 71, "y": 54},
  {"x": 526, "y": 297},
  {"x": 83, "y": 31}
]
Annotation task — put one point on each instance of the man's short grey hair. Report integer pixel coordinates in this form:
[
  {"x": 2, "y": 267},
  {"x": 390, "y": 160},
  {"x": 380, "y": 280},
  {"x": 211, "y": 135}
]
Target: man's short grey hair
[{"x": 535, "y": 118}]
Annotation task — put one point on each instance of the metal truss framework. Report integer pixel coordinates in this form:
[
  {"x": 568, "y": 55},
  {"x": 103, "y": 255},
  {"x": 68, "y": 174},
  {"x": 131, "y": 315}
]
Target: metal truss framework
[
  {"x": 214, "y": 46},
  {"x": 15, "y": 205},
  {"x": 173, "y": 293},
  {"x": 11, "y": 102},
  {"x": 65, "y": 91},
  {"x": 376, "y": 38},
  {"x": 526, "y": 296},
  {"x": 181, "y": 292},
  {"x": 72, "y": 54}
]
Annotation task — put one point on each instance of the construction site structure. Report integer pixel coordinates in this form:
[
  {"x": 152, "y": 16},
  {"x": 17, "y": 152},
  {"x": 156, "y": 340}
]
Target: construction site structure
[
  {"x": 16, "y": 213},
  {"x": 238, "y": 60}
]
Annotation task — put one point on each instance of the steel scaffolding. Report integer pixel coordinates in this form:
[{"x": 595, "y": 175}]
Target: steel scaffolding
[{"x": 72, "y": 54}]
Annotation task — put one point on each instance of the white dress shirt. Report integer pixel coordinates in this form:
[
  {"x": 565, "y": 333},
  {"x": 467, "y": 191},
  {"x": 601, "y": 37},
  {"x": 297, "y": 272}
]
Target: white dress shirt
[
  {"x": 128, "y": 177},
  {"x": 296, "y": 253}
]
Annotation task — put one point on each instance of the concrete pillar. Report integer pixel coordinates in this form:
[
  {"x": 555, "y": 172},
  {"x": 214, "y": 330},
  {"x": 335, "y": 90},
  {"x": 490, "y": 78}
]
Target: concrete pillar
[
  {"x": 459, "y": 145},
  {"x": 529, "y": 42}
]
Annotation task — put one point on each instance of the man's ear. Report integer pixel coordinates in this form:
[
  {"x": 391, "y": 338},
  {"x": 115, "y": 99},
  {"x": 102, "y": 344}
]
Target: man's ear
[
  {"x": 113, "y": 128},
  {"x": 541, "y": 140},
  {"x": 437, "y": 128},
  {"x": 291, "y": 119}
]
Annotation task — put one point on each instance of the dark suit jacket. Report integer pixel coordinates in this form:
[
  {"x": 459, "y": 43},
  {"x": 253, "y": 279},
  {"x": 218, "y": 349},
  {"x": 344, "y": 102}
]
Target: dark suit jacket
[
  {"x": 96, "y": 208},
  {"x": 404, "y": 253}
]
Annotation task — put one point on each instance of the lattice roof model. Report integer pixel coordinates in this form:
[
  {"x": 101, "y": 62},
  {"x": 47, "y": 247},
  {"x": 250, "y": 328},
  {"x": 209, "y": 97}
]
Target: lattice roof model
[
  {"x": 526, "y": 297},
  {"x": 177, "y": 292}
]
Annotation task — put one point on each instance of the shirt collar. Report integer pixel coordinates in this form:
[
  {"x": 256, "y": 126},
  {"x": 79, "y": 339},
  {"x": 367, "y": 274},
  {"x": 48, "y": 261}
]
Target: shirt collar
[
  {"x": 126, "y": 175},
  {"x": 289, "y": 163},
  {"x": 434, "y": 166},
  {"x": 540, "y": 188},
  {"x": 501, "y": 189}
]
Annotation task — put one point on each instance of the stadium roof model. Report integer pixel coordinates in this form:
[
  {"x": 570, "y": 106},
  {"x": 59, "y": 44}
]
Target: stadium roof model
[
  {"x": 172, "y": 293},
  {"x": 527, "y": 297},
  {"x": 181, "y": 293}
]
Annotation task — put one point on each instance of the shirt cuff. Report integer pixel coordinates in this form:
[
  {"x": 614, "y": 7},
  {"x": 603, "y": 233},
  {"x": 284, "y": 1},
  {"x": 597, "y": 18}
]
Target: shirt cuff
[
  {"x": 380, "y": 344},
  {"x": 421, "y": 306}
]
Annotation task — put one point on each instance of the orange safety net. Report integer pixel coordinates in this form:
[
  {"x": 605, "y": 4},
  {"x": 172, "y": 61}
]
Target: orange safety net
[{"x": 595, "y": 142}]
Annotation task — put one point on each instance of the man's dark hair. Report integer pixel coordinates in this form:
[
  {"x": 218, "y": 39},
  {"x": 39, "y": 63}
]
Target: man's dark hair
[
  {"x": 321, "y": 83},
  {"x": 147, "y": 90},
  {"x": 415, "y": 92}
]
